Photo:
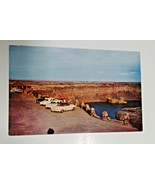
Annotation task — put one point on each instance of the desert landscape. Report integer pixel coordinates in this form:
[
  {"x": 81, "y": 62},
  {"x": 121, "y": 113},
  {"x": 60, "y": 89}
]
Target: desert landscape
[
  {"x": 28, "y": 118},
  {"x": 83, "y": 91}
]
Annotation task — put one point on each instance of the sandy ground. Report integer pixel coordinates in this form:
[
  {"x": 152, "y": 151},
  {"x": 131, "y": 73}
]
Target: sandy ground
[{"x": 28, "y": 118}]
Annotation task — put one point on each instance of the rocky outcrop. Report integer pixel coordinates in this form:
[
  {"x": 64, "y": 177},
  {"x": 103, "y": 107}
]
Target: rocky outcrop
[
  {"x": 116, "y": 101},
  {"x": 131, "y": 116},
  {"x": 87, "y": 91},
  {"x": 82, "y": 104},
  {"x": 89, "y": 110},
  {"x": 123, "y": 116},
  {"x": 93, "y": 113},
  {"x": 77, "y": 102},
  {"x": 105, "y": 116},
  {"x": 87, "y": 107},
  {"x": 130, "y": 109}
]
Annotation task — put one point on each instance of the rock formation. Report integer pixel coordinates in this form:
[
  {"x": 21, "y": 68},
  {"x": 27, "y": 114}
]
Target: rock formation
[
  {"x": 93, "y": 113},
  {"x": 115, "y": 101},
  {"x": 86, "y": 91},
  {"x": 87, "y": 107},
  {"x": 82, "y": 104},
  {"x": 105, "y": 116},
  {"x": 131, "y": 116}
]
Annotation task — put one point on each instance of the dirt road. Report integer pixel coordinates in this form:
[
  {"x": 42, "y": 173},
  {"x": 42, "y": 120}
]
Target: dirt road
[{"x": 28, "y": 118}]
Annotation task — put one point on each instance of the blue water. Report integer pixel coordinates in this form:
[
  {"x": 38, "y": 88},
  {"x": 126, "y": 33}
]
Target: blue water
[{"x": 112, "y": 108}]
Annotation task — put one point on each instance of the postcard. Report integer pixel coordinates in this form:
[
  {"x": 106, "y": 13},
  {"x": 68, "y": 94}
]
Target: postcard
[{"x": 65, "y": 90}]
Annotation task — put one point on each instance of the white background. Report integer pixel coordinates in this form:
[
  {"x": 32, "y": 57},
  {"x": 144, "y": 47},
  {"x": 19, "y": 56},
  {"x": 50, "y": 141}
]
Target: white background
[{"x": 80, "y": 164}]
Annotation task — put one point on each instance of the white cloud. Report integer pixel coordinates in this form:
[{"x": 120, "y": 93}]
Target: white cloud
[
  {"x": 133, "y": 73},
  {"x": 129, "y": 73},
  {"x": 124, "y": 74}
]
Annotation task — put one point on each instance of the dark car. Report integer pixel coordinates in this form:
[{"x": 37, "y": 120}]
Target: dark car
[{"x": 42, "y": 98}]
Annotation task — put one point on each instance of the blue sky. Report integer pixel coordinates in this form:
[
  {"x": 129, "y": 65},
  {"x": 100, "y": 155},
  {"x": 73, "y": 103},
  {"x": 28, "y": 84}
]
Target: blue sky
[{"x": 44, "y": 63}]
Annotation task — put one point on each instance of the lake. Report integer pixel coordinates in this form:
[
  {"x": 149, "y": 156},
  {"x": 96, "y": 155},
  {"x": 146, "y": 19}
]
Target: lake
[{"x": 112, "y": 108}]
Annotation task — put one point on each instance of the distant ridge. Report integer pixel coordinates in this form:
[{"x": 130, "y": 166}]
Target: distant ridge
[{"x": 67, "y": 81}]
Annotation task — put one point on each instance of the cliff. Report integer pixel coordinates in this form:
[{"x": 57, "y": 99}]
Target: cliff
[{"x": 83, "y": 91}]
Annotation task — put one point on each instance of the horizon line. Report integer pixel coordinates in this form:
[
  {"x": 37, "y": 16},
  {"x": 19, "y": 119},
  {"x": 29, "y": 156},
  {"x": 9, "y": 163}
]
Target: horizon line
[{"x": 76, "y": 81}]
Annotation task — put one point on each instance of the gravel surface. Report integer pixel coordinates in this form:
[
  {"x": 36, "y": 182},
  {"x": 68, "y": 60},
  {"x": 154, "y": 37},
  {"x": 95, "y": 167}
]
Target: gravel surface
[{"x": 28, "y": 118}]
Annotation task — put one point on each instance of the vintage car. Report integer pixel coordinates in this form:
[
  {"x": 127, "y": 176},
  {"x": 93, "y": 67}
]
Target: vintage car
[
  {"x": 63, "y": 107},
  {"x": 16, "y": 90},
  {"x": 42, "y": 98},
  {"x": 52, "y": 103},
  {"x": 46, "y": 101}
]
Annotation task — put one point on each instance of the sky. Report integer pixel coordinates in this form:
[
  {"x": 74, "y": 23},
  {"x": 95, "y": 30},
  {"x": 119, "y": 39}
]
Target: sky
[{"x": 45, "y": 63}]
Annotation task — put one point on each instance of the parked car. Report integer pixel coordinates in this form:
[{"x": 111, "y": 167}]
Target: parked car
[
  {"x": 16, "y": 90},
  {"x": 42, "y": 98},
  {"x": 46, "y": 101},
  {"x": 52, "y": 103},
  {"x": 63, "y": 107}
]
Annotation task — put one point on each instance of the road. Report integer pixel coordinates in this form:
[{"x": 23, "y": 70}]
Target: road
[{"x": 28, "y": 118}]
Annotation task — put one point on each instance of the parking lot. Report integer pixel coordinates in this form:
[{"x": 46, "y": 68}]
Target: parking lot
[{"x": 28, "y": 118}]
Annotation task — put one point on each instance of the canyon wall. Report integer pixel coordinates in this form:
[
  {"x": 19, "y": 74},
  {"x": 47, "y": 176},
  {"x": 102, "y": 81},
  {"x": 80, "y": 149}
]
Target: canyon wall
[{"x": 84, "y": 91}]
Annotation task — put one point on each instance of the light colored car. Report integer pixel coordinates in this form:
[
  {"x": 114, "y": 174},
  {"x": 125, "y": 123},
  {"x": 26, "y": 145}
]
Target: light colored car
[
  {"x": 63, "y": 107},
  {"x": 49, "y": 105},
  {"x": 46, "y": 101},
  {"x": 16, "y": 90}
]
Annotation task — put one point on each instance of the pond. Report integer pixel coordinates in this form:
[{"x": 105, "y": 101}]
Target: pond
[{"x": 112, "y": 108}]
